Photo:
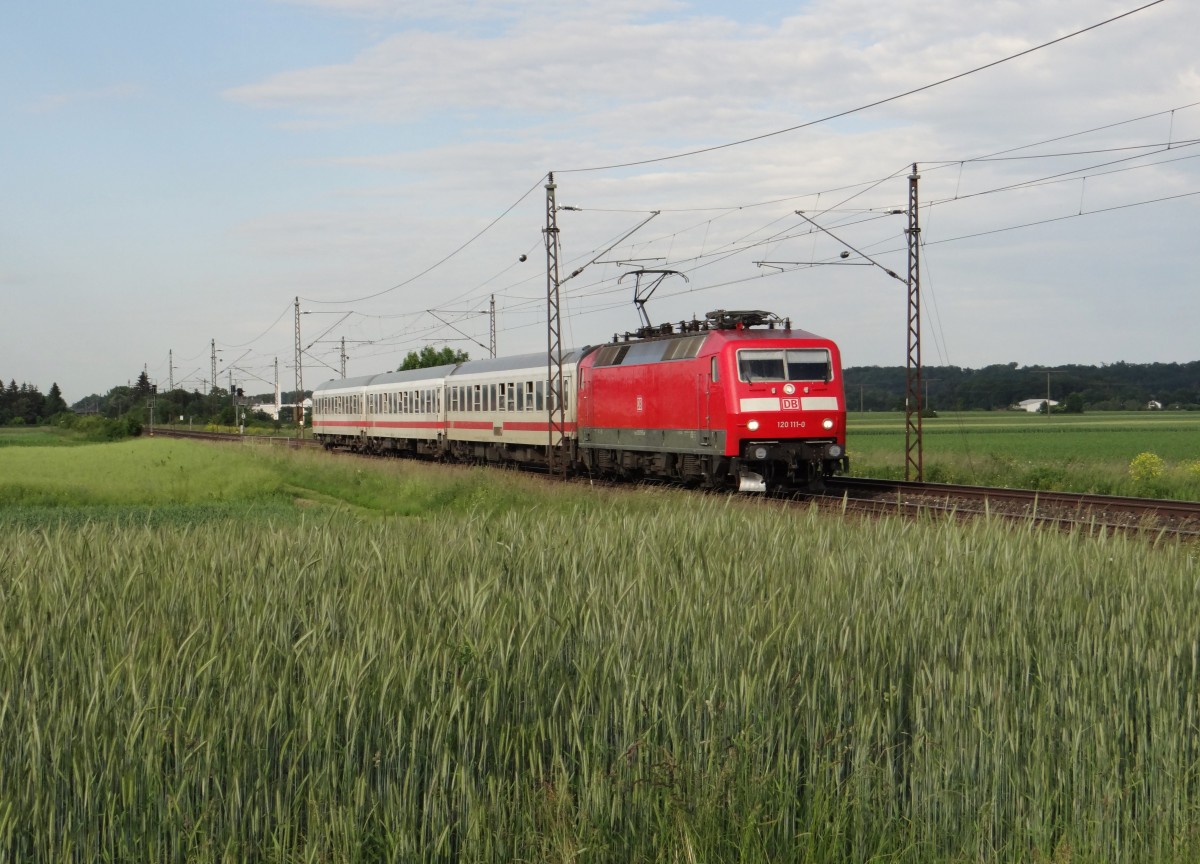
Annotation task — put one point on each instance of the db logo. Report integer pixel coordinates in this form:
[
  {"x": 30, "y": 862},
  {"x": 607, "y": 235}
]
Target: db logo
[
  {"x": 640, "y": 406},
  {"x": 790, "y": 404}
]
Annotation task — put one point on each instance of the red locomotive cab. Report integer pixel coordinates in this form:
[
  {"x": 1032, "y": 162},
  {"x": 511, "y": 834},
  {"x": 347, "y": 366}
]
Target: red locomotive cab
[
  {"x": 739, "y": 399},
  {"x": 786, "y": 407}
]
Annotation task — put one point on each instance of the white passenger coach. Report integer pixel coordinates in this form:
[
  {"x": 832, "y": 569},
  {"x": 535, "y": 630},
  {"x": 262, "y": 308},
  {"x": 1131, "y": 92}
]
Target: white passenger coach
[{"x": 494, "y": 410}]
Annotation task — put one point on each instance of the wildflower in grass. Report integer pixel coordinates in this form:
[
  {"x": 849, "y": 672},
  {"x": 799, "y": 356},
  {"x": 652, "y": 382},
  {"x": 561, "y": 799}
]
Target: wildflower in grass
[
  {"x": 1146, "y": 466},
  {"x": 1191, "y": 468}
]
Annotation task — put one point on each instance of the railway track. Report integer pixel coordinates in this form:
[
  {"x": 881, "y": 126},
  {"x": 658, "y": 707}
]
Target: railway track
[
  {"x": 233, "y": 437},
  {"x": 1100, "y": 513},
  {"x": 1061, "y": 509}
]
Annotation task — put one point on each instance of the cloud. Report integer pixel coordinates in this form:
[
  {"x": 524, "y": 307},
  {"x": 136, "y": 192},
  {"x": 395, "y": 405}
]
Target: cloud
[{"x": 624, "y": 75}]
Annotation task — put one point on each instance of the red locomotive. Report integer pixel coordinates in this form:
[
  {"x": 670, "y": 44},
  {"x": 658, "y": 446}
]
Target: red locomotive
[{"x": 738, "y": 400}]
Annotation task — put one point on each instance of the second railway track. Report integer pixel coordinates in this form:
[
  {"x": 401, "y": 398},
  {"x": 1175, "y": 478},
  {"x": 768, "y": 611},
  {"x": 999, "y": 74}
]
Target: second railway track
[{"x": 1065, "y": 509}]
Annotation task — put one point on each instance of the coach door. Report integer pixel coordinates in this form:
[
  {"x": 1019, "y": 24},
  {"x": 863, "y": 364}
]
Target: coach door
[{"x": 584, "y": 408}]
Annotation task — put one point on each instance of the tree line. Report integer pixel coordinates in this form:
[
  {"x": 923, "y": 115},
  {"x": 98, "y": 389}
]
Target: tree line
[
  {"x": 26, "y": 405},
  {"x": 1109, "y": 387}
]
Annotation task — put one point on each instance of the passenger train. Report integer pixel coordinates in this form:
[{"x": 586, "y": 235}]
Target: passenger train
[{"x": 739, "y": 400}]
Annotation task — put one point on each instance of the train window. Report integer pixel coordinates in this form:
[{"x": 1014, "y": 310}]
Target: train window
[
  {"x": 511, "y": 396},
  {"x": 796, "y": 364},
  {"x": 716, "y": 372},
  {"x": 521, "y": 396},
  {"x": 505, "y": 392},
  {"x": 808, "y": 364},
  {"x": 761, "y": 365},
  {"x": 539, "y": 389}
]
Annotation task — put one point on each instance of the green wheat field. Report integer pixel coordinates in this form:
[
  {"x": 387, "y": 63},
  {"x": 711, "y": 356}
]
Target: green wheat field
[{"x": 237, "y": 654}]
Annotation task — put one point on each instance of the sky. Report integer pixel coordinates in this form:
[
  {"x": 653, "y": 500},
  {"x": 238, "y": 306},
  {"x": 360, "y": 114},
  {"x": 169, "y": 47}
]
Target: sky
[{"x": 179, "y": 176}]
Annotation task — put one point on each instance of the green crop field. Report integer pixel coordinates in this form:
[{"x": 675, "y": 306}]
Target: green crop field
[
  {"x": 1081, "y": 453},
  {"x": 233, "y": 654}
]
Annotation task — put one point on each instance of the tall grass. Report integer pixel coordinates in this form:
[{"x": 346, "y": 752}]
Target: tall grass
[{"x": 629, "y": 678}]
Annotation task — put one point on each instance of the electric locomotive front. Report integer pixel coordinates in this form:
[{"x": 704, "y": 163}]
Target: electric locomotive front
[
  {"x": 740, "y": 399},
  {"x": 785, "y": 404}
]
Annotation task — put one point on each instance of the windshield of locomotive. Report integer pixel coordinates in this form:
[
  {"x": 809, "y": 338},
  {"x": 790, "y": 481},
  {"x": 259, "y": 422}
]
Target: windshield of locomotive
[{"x": 793, "y": 364}]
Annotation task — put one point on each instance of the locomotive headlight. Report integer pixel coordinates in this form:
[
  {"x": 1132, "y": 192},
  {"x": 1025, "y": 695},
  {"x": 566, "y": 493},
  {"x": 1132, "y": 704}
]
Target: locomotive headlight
[
  {"x": 789, "y": 389},
  {"x": 833, "y": 451},
  {"x": 760, "y": 452},
  {"x": 827, "y": 423},
  {"x": 752, "y": 425}
]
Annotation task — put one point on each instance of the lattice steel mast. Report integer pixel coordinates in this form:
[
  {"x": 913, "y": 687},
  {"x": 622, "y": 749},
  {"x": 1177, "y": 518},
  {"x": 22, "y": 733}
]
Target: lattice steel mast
[
  {"x": 298, "y": 407},
  {"x": 492, "y": 327},
  {"x": 556, "y": 411},
  {"x": 914, "y": 459}
]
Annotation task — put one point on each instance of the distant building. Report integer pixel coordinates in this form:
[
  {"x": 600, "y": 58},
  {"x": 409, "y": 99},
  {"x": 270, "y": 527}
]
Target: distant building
[
  {"x": 1033, "y": 406},
  {"x": 1154, "y": 405}
]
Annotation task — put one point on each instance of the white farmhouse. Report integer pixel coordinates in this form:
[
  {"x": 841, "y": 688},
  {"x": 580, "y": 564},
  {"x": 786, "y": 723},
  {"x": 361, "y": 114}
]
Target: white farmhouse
[{"x": 1033, "y": 406}]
